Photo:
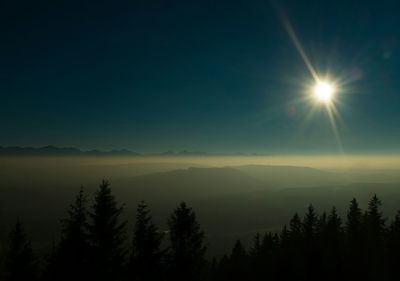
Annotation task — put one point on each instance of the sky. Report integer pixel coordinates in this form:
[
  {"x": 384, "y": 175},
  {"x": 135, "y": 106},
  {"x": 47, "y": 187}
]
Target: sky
[{"x": 213, "y": 76}]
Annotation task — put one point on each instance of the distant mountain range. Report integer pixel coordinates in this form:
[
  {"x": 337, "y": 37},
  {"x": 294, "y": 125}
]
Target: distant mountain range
[
  {"x": 72, "y": 151},
  {"x": 53, "y": 150}
]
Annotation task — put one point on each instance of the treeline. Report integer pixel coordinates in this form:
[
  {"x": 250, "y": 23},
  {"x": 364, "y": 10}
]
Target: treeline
[
  {"x": 321, "y": 247},
  {"x": 94, "y": 246}
]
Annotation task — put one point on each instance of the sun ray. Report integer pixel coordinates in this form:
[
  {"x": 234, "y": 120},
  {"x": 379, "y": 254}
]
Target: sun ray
[
  {"x": 323, "y": 91},
  {"x": 297, "y": 44}
]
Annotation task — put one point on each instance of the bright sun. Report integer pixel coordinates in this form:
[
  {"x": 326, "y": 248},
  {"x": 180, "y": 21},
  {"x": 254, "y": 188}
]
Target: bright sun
[{"x": 324, "y": 91}]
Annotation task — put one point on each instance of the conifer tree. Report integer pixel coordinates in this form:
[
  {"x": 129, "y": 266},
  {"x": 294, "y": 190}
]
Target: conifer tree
[
  {"x": 321, "y": 224},
  {"x": 187, "y": 245},
  {"x": 284, "y": 255},
  {"x": 295, "y": 228},
  {"x": 106, "y": 235},
  {"x": 354, "y": 242},
  {"x": 284, "y": 236},
  {"x": 2, "y": 250},
  {"x": 312, "y": 258},
  {"x": 269, "y": 253},
  {"x": 375, "y": 223},
  {"x": 257, "y": 257},
  {"x": 332, "y": 246},
  {"x": 295, "y": 251},
  {"x": 393, "y": 246},
  {"x": 353, "y": 226},
  {"x": 255, "y": 250},
  {"x": 334, "y": 227},
  {"x": 374, "y": 229},
  {"x": 146, "y": 257},
  {"x": 238, "y": 263},
  {"x": 70, "y": 259},
  {"x": 19, "y": 263},
  {"x": 222, "y": 270},
  {"x": 310, "y": 223}
]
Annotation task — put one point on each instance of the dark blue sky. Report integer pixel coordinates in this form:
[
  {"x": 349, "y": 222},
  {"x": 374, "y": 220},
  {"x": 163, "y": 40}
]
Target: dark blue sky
[{"x": 217, "y": 76}]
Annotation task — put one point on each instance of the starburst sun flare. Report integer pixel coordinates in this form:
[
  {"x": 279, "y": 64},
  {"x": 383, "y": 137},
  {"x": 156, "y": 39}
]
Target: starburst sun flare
[{"x": 324, "y": 91}]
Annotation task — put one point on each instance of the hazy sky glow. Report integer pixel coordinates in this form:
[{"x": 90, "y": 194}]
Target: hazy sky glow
[
  {"x": 211, "y": 76},
  {"x": 130, "y": 165}
]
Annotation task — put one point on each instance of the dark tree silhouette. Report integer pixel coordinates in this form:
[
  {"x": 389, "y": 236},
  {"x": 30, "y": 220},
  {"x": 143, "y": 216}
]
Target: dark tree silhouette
[
  {"x": 310, "y": 223},
  {"x": 146, "y": 256},
  {"x": 255, "y": 250},
  {"x": 375, "y": 223},
  {"x": 312, "y": 258},
  {"x": 257, "y": 257},
  {"x": 283, "y": 258},
  {"x": 19, "y": 263},
  {"x": 393, "y": 247},
  {"x": 107, "y": 236},
  {"x": 295, "y": 228},
  {"x": 187, "y": 245},
  {"x": 354, "y": 242},
  {"x": 331, "y": 243},
  {"x": 322, "y": 222},
  {"x": 374, "y": 231},
  {"x": 264, "y": 260},
  {"x": 238, "y": 263},
  {"x": 315, "y": 248},
  {"x": 221, "y": 269},
  {"x": 70, "y": 258},
  {"x": 295, "y": 251},
  {"x": 354, "y": 222},
  {"x": 319, "y": 247},
  {"x": 284, "y": 236}
]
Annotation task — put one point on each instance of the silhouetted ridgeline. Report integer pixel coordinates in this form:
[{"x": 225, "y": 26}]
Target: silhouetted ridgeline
[
  {"x": 60, "y": 151},
  {"x": 51, "y": 150},
  {"x": 93, "y": 246}
]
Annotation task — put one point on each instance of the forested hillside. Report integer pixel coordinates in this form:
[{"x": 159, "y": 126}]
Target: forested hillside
[{"x": 363, "y": 245}]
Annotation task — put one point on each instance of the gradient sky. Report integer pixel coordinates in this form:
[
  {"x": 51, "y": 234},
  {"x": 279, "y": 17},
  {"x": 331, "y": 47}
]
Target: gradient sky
[{"x": 216, "y": 76}]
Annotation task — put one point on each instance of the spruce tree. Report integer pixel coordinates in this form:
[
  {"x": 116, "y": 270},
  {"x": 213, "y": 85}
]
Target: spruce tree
[
  {"x": 284, "y": 236},
  {"x": 2, "y": 249},
  {"x": 332, "y": 246},
  {"x": 106, "y": 235},
  {"x": 187, "y": 247},
  {"x": 375, "y": 230},
  {"x": 146, "y": 256},
  {"x": 238, "y": 252},
  {"x": 296, "y": 249},
  {"x": 353, "y": 226},
  {"x": 354, "y": 242},
  {"x": 257, "y": 258},
  {"x": 334, "y": 227},
  {"x": 284, "y": 258},
  {"x": 238, "y": 263},
  {"x": 222, "y": 269},
  {"x": 295, "y": 228},
  {"x": 255, "y": 250},
  {"x": 375, "y": 223},
  {"x": 312, "y": 255},
  {"x": 321, "y": 224},
  {"x": 310, "y": 223},
  {"x": 19, "y": 263},
  {"x": 393, "y": 246},
  {"x": 269, "y": 252},
  {"x": 70, "y": 258}
]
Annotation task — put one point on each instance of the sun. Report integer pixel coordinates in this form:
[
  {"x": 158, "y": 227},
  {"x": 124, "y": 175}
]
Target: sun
[{"x": 324, "y": 91}]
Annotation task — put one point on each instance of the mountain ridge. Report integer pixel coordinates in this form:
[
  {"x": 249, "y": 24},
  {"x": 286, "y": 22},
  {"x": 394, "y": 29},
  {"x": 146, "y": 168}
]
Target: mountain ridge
[
  {"x": 59, "y": 151},
  {"x": 49, "y": 150}
]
